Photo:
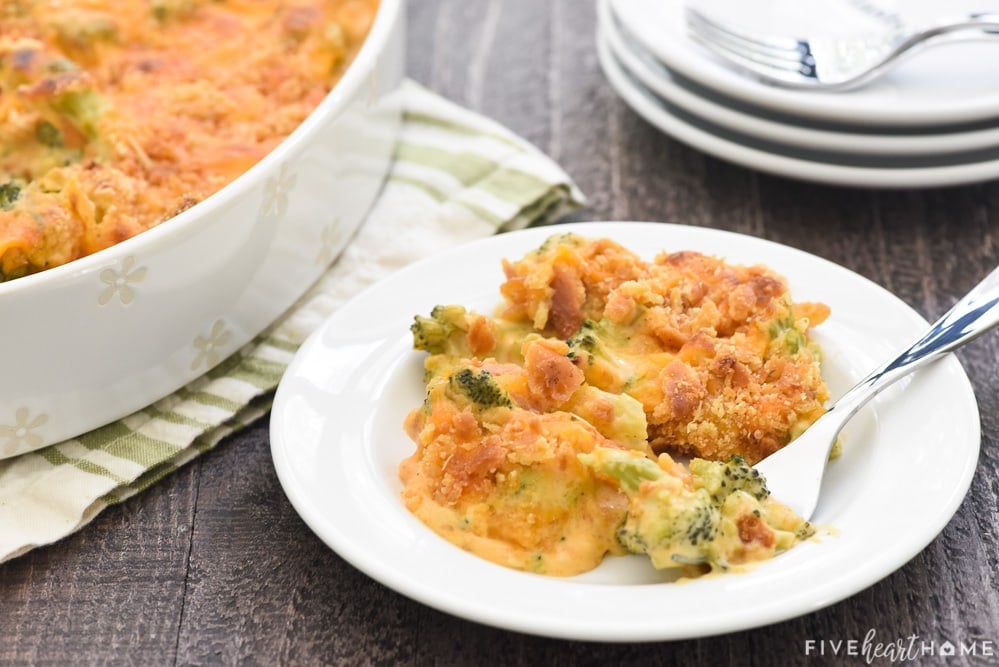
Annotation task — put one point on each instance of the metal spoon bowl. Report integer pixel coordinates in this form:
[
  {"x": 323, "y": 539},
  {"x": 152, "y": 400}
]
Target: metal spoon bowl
[{"x": 794, "y": 473}]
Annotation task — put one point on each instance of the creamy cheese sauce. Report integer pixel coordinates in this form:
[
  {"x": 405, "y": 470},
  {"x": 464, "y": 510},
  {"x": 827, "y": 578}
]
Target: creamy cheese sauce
[{"x": 536, "y": 444}]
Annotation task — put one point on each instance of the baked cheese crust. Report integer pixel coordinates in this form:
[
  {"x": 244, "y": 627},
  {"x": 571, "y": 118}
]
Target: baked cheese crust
[{"x": 116, "y": 116}]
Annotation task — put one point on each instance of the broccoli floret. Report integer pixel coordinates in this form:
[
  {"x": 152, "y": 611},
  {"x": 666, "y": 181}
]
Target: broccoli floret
[
  {"x": 596, "y": 340},
  {"x": 83, "y": 107},
  {"x": 464, "y": 387},
  {"x": 785, "y": 334},
  {"x": 584, "y": 343},
  {"x": 481, "y": 388},
  {"x": 164, "y": 10},
  {"x": 48, "y": 134},
  {"x": 444, "y": 332},
  {"x": 80, "y": 28},
  {"x": 670, "y": 522},
  {"x": 628, "y": 469},
  {"x": 567, "y": 239},
  {"x": 599, "y": 349},
  {"x": 721, "y": 479},
  {"x": 9, "y": 193},
  {"x": 618, "y": 417},
  {"x": 680, "y": 520},
  {"x": 700, "y": 523}
]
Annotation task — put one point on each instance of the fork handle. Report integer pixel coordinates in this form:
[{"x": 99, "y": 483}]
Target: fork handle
[
  {"x": 974, "y": 314},
  {"x": 986, "y": 23}
]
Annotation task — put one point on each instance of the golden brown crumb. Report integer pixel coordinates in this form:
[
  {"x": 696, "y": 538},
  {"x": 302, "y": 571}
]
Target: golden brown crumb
[
  {"x": 169, "y": 100},
  {"x": 718, "y": 354}
]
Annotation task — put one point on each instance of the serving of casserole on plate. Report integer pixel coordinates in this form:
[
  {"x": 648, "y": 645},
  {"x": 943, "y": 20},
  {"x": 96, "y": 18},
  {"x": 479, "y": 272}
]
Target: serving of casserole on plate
[
  {"x": 337, "y": 442},
  {"x": 169, "y": 186}
]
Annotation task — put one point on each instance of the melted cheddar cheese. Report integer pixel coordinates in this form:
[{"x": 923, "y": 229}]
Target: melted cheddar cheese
[
  {"x": 115, "y": 116},
  {"x": 541, "y": 444},
  {"x": 717, "y": 353}
]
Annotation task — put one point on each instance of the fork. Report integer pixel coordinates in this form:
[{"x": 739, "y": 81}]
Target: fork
[
  {"x": 794, "y": 473},
  {"x": 827, "y": 62}
]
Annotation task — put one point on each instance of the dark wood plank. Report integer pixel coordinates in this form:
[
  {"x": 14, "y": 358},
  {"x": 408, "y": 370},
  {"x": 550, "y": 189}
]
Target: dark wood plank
[
  {"x": 263, "y": 589},
  {"x": 112, "y": 591}
]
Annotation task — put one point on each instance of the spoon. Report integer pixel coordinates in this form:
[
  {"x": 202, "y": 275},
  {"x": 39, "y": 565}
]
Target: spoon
[{"x": 794, "y": 473}]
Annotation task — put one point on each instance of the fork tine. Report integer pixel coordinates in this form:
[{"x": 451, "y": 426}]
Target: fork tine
[
  {"x": 721, "y": 40},
  {"x": 774, "y": 45},
  {"x": 755, "y": 57},
  {"x": 752, "y": 63},
  {"x": 802, "y": 65}
]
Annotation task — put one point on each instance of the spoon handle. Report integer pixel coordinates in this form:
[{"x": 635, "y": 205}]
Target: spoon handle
[{"x": 974, "y": 314}]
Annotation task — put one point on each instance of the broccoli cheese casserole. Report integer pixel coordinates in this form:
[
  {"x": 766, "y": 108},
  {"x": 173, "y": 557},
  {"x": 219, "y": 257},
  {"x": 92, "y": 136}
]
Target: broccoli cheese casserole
[
  {"x": 552, "y": 432},
  {"x": 115, "y": 116}
]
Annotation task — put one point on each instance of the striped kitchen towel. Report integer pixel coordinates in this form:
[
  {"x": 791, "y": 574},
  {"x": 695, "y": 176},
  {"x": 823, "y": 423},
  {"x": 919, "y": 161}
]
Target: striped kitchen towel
[{"x": 457, "y": 176}]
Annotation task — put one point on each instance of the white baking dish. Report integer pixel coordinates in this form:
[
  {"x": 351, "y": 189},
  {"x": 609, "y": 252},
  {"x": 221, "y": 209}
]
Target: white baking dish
[{"x": 96, "y": 339}]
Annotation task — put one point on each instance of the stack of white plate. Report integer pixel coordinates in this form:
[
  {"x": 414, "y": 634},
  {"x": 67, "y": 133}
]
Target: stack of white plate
[{"x": 933, "y": 121}]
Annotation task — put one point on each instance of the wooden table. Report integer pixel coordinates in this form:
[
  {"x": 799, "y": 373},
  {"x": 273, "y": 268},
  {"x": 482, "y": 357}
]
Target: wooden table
[{"x": 214, "y": 566}]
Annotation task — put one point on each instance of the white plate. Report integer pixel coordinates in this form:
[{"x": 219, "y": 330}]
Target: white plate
[
  {"x": 957, "y": 83},
  {"x": 755, "y": 153},
  {"x": 782, "y": 129},
  {"x": 337, "y": 440}
]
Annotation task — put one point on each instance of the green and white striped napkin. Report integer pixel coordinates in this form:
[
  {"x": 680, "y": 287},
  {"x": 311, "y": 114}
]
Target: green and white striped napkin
[{"x": 457, "y": 177}]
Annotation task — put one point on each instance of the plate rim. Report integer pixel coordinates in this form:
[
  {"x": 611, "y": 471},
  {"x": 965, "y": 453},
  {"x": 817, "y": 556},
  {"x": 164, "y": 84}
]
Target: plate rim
[
  {"x": 684, "y": 57},
  {"x": 654, "y": 111},
  {"x": 522, "y": 620},
  {"x": 750, "y": 121}
]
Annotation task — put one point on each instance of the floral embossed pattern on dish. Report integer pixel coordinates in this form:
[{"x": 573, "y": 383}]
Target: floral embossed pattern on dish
[
  {"x": 21, "y": 436},
  {"x": 210, "y": 349},
  {"x": 121, "y": 282}
]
